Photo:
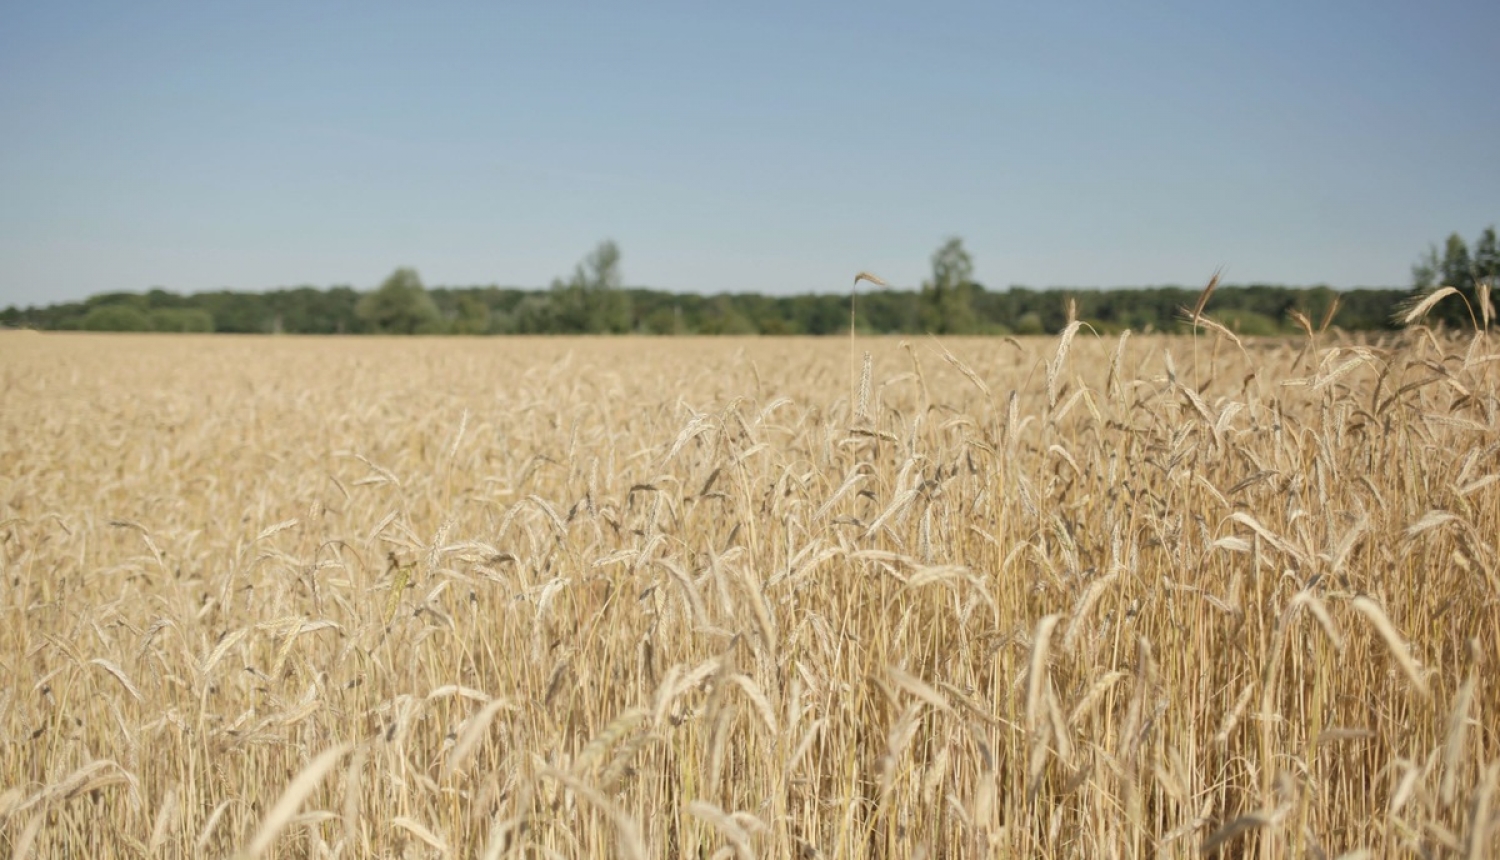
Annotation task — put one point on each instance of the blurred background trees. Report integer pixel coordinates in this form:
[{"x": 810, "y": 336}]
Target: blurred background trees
[
  {"x": 1457, "y": 267},
  {"x": 591, "y": 301},
  {"x": 594, "y": 299},
  {"x": 400, "y": 306},
  {"x": 946, "y": 307}
]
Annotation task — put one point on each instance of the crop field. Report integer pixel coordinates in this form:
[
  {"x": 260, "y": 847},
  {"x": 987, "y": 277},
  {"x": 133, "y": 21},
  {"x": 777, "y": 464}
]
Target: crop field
[{"x": 1075, "y": 597}]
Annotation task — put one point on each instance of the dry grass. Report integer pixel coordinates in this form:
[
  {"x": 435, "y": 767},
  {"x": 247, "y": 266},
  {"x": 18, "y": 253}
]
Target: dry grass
[{"x": 638, "y": 598}]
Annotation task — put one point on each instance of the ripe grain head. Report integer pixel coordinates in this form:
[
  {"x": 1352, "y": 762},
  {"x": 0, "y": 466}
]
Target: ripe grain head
[{"x": 558, "y": 611}]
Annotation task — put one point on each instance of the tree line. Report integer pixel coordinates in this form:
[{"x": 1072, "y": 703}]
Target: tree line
[
  {"x": 1457, "y": 267},
  {"x": 594, "y": 300}
]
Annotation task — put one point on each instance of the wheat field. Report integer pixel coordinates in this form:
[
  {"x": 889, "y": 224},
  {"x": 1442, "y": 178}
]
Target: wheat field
[{"x": 1077, "y": 597}]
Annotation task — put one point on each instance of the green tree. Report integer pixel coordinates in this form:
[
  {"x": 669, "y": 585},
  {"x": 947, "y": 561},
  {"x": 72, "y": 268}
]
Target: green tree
[
  {"x": 724, "y": 317},
  {"x": 131, "y": 300},
  {"x": 536, "y": 314},
  {"x": 1248, "y": 322},
  {"x": 600, "y": 270},
  {"x": 1029, "y": 322},
  {"x": 1457, "y": 269},
  {"x": 473, "y": 315},
  {"x": 116, "y": 318},
  {"x": 1487, "y": 257},
  {"x": 156, "y": 297},
  {"x": 400, "y": 306},
  {"x": 243, "y": 313},
  {"x": 946, "y": 298},
  {"x": 181, "y": 320},
  {"x": 591, "y": 301}
]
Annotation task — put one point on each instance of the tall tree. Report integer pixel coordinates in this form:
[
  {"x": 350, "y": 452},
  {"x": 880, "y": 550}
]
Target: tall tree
[
  {"x": 1487, "y": 257},
  {"x": 400, "y": 306},
  {"x": 600, "y": 270},
  {"x": 1457, "y": 267},
  {"x": 592, "y": 301},
  {"x": 472, "y": 316},
  {"x": 945, "y": 298}
]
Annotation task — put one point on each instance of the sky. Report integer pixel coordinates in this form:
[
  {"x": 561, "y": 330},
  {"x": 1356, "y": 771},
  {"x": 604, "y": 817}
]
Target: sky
[{"x": 727, "y": 147}]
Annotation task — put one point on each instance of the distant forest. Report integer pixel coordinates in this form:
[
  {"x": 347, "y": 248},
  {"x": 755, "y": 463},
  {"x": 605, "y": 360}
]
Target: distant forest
[{"x": 593, "y": 301}]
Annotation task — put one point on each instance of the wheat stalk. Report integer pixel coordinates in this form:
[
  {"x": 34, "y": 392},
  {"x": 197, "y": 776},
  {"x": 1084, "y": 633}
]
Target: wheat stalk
[{"x": 1110, "y": 612}]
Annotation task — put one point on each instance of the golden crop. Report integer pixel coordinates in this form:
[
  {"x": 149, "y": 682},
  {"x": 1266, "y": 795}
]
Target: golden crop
[{"x": 1075, "y": 597}]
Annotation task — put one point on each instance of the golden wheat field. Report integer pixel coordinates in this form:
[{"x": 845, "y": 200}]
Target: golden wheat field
[{"x": 1076, "y": 597}]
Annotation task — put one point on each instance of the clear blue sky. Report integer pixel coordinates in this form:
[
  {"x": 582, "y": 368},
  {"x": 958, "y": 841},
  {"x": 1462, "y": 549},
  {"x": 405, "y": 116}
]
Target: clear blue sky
[{"x": 778, "y": 147}]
